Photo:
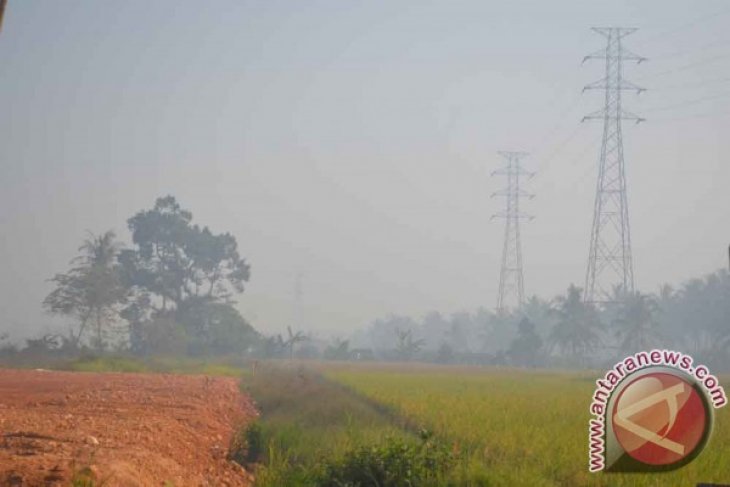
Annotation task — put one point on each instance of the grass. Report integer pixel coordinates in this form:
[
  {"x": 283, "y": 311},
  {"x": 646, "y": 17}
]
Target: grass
[
  {"x": 516, "y": 427},
  {"x": 106, "y": 364},
  {"x": 230, "y": 367},
  {"x": 85, "y": 476},
  {"x": 308, "y": 422}
]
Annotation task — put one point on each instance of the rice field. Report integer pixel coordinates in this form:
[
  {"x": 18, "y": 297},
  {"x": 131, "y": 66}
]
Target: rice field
[
  {"x": 506, "y": 427},
  {"x": 517, "y": 427}
]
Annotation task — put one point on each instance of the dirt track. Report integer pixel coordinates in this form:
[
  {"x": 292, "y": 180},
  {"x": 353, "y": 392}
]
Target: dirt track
[{"x": 128, "y": 429}]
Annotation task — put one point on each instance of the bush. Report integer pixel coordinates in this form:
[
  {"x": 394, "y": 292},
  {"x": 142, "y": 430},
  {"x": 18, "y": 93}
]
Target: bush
[
  {"x": 396, "y": 463},
  {"x": 248, "y": 445}
]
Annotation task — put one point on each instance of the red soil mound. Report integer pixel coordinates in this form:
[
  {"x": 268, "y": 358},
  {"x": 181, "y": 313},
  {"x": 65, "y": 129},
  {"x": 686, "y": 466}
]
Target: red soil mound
[{"x": 127, "y": 429}]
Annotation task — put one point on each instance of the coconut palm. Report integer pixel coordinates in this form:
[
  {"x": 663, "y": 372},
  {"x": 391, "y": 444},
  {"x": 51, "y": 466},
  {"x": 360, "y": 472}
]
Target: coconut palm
[
  {"x": 338, "y": 350},
  {"x": 577, "y": 327},
  {"x": 407, "y": 346},
  {"x": 635, "y": 325},
  {"x": 92, "y": 290},
  {"x": 538, "y": 312},
  {"x": 525, "y": 349},
  {"x": 294, "y": 338}
]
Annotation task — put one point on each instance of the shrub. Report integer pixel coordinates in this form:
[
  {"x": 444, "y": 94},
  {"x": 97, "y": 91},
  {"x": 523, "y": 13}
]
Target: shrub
[
  {"x": 396, "y": 463},
  {"x": 248, "y": 446}
]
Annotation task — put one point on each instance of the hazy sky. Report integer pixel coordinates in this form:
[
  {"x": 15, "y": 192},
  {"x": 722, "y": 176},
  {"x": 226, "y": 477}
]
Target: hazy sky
[{"x": 352, "y": 142}]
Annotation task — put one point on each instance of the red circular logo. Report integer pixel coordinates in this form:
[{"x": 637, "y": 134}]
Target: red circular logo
[{"x": 660, "y": 419}]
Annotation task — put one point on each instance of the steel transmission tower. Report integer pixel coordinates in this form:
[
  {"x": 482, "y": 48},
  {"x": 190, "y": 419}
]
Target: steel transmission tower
[
  {"x": 511, "y": 279},
  {"x": 610, "y": 267}
]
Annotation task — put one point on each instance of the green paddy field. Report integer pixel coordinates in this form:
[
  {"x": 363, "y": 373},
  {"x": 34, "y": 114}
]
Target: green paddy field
[{"x": 504, "y": 427}]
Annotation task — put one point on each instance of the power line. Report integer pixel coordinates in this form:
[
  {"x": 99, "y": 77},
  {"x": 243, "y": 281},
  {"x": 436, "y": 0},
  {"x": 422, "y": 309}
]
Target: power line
[
  {"x": 555, "y": 128},
  {"x": 545, "y": 141},
  {"x": 688, "y": 25},
  {"x": 692, "y": 117},
  {"x": 686, "y": 66},
  {"x": 693, "y": 84},
  {"x": 689, "y": 102},
  {"x": 674, "y": 54},
  {"x": 575, "y": 160},
  {"x": 557, "y": 148}
]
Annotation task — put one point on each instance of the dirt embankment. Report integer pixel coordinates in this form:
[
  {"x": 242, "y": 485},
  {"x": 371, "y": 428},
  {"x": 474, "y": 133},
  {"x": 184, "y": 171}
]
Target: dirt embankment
[{"x": 127, "y": 429}]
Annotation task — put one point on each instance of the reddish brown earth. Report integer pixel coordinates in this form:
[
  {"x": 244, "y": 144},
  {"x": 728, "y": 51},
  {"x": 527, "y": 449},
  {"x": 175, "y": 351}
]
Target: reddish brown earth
[{"x": 127, "y": 429}]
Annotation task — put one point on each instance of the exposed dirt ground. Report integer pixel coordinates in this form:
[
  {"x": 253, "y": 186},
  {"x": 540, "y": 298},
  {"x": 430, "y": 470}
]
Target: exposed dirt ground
[{"x": 128, "y": 429}]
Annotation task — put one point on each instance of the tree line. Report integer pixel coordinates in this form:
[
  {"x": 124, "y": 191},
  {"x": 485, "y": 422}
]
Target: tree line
[
  {"x": 171, "y": 291},
  {"x": 567, "y": 331}
]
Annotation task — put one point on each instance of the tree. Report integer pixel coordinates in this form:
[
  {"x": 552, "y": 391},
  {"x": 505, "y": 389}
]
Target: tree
[
  {"x": 526, "y": 347},
  {"x": 539, "y": 313},
  {"x": 215, "y": 328},
  {"x": 433, "y": 329},
  {"x": 577, "y": 326},
  {"x": 138, "y": 314},
  {"x": 699, "y": 316},
  {"x": 175, "y": 261},
  {"x": 292, "y": 339},
  {"x": 666, "y": 302},
  {"x": 381, "y": 331},
  {"x": 164, "y": 336},
  {"x": 484, "y": 324},
  {"x": 458, "y": 332},
  {"x": 717, "y": 315},
  {"x": 184, "y": 272},
  {"x": 693, "y": 308},
  {"x": 91, "y": 291},
  {"x": 445, "y": 353},
  {"x": 273, "y": 346},
  {"x": 45, "y": 344},
  {"x": 338, "y": 350},
  {"x": 635, "y": 325},
  {"x": 499, "y": 331},
  {"x": 407, "y": 346}
]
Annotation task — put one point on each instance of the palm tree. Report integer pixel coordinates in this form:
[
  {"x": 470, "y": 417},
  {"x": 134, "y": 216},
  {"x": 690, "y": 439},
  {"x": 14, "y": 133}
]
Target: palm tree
[
  {"x": 338, "y": 350},
  {"x": 457, "y": 332},
  {"x": 525, "y": 349},
  {"x": 666, "y": 301},
  {"x": 99, "y": 258},
  {"x": 577, "y": 326},
  {"x": 635, "y": 323},
  {"x": 693, "y": 309},
  {"x": 408, "y": 347},
  {"x": 538, "y": 312},
  {"x": 484, "y": 323},
  {"x": 99, "y": 250},
  {"x": 293, "y": 339},
  {"x": 715, "y": 318},
  {"x": 92, "y": 289},
  {"x": 273, "y": 346}
]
